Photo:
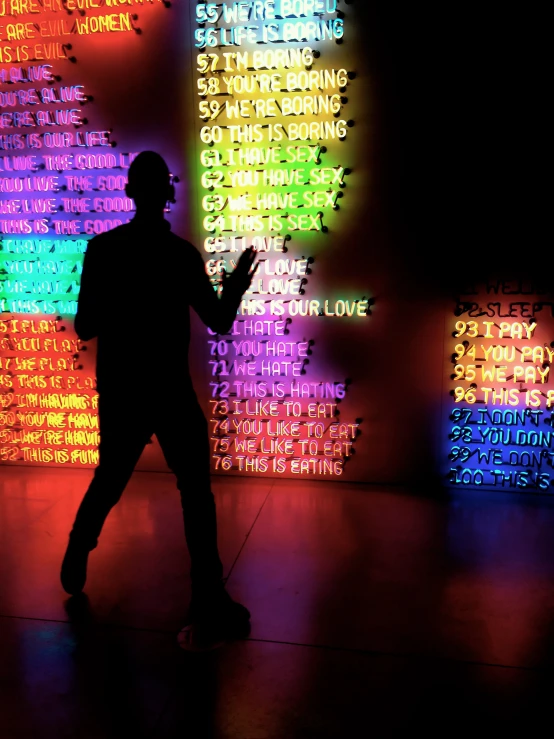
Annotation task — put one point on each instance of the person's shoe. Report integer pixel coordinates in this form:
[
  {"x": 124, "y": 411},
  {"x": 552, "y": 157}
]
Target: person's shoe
[
  {"x": 231, "y": 611},
  {"x": 215, "y": 617},
  {"x": 217, "y": 605},
  {"x": 198, "y": 638},
  {"x": 74, "y": 568}
]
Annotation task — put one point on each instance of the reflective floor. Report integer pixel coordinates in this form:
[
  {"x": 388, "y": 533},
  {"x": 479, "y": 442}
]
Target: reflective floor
[{"x": 374, "y": 612}]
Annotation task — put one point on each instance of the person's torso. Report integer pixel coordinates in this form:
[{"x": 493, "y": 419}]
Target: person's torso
[{"x": 144, "y": 293}]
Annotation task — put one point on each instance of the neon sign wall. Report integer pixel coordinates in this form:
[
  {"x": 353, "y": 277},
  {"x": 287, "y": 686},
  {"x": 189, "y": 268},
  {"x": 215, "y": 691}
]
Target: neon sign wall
[
  {"x": 271, "y": 106},
  {"x": 274, "y": 159},
  {"x": 61, "y": 181},
  {"x": 275, "y": 154},
  {"x": 501, "y": 414}
]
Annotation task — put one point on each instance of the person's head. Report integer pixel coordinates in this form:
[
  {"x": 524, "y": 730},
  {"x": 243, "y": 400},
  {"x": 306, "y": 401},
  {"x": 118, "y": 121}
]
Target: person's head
[{"x": 149, "y": 183}]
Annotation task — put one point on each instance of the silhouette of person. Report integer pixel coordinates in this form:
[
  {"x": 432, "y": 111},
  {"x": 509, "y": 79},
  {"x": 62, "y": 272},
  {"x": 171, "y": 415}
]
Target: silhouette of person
[{"x": 137, "y": 284}]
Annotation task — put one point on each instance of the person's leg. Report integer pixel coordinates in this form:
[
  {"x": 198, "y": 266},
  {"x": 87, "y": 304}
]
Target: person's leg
[
  {"x": 123, "y": 436},
  {"x": 213, "y": 616},
  {"x": 183, "y": 437}
]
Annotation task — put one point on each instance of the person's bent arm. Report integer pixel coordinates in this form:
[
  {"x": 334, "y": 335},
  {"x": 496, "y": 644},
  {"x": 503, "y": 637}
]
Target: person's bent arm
[
  {"x": 219, "y": 313},
  {"x": 86, "y": 318}
]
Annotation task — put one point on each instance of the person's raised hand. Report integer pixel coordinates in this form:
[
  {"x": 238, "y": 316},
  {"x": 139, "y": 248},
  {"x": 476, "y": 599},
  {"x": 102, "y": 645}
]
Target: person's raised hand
[{"x": 241, "y": 277}]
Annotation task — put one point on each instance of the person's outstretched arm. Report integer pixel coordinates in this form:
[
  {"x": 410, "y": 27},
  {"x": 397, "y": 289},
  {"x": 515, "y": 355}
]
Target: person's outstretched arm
[
  {"x": 218, "y": 313},
  {"x": 86, "y": 318}
]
